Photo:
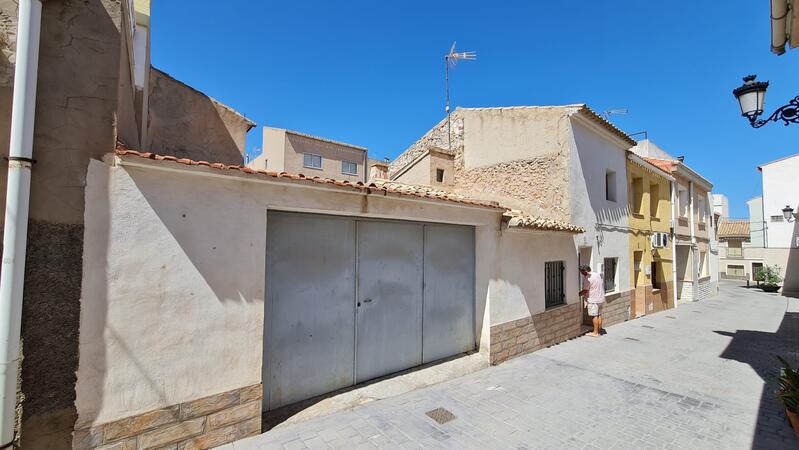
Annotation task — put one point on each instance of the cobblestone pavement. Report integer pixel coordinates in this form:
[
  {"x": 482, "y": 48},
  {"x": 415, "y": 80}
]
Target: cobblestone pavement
[{"x": 700, "y": 376}]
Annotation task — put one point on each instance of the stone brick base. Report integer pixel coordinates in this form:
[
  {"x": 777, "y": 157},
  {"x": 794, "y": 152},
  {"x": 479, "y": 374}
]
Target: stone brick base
[
  {"x": 198, "y": 424},
  {"x": 618, "y": 308},
  {"x": 529, "y": 334}
]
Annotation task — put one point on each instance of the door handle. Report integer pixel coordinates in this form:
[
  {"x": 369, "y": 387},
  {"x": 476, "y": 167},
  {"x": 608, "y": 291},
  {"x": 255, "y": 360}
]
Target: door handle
[{"x": 368, "y": 300}]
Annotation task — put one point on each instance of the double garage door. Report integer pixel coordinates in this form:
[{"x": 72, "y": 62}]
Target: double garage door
[{"x": 349, "y": 300}]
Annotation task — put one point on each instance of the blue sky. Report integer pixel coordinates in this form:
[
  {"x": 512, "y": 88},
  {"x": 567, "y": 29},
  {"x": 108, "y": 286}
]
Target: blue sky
[{"x": 371, "y": 73}]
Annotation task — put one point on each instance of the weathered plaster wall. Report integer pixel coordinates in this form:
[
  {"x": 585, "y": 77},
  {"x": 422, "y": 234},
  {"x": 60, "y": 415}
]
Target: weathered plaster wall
[
  {"x": 606, "y": 222},
  {"x": 518, "y": 289},
  {"x": 186, "y": 123},
  {"x": 416, "y": 172},
  {"x": 174, "y": 280},
  {"x": 435, "y": 137},
  {"x": 75, "y": 120}
]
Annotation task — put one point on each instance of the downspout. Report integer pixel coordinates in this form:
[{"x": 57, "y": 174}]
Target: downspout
[
  {"x": 694, "y": 275},
  {"x": 16, "y": 214},
  {"x": 674, "y": 241}
]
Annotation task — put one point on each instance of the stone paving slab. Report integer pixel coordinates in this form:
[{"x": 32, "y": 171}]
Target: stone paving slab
[{"x": 702, "y": 379}]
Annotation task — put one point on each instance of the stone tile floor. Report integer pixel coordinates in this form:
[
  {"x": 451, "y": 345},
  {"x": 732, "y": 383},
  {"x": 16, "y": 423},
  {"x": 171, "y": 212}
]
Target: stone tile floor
[{"x": 700, "y": 376}]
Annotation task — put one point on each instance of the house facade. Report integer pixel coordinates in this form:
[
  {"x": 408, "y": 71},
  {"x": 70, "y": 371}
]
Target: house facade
[
  {"x": 738, "y": 258},
  {"x": 693, "y": 235},
  {"x": 560, "y": 162},
  {"x": 650, "y": 237},
  {"x": 780, "y": 187},
  {"x": 295, "y": 152}
]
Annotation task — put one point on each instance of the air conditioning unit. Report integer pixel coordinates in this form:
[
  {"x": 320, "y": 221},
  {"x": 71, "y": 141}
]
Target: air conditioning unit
[{"x": 660, "y": 240}]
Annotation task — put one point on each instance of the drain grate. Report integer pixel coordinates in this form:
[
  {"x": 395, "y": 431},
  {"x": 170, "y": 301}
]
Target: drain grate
[
  {"x": 440, "y": 415},
  {"x": 632, "y": 339},
  {"x": 670, "y": 317},
  {"x": 648, "y": 326}
]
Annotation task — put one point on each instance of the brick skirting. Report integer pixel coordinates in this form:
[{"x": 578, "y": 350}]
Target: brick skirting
[
  {"x": 618, "y": 308},
  {"x": 198, "y": 424},
  {"x": 529, "y": 334}
]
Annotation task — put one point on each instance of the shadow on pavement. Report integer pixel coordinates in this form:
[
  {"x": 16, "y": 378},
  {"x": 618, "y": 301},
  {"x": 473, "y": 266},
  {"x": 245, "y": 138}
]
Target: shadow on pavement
[{"x": 758, "y": 349}]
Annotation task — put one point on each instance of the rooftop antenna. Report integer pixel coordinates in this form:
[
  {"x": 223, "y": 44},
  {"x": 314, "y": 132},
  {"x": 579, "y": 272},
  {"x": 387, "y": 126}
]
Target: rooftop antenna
[
  {"x": 452, "y": 59},
  {"x": 613, "y": 112}
]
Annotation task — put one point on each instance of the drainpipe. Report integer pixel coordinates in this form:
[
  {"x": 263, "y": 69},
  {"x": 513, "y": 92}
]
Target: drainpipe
[
  {"x": 694, "y": 273},
  {"x": 15, "y": 232},
  {"x": 674, "y": 241}
]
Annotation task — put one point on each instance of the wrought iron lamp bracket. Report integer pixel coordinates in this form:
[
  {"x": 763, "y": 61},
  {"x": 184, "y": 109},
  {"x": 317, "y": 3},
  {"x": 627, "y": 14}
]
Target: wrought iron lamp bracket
[{"x": 787, "y": 114}]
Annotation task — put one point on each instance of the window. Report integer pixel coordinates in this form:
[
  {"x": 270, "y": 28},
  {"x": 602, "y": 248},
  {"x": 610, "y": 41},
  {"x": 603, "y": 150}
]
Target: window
[
  {"x": 610, "y": 274},
  {"x": 312, "y": 161},
  {"x": 349, "y": 168},
  {"x": 701, "y": 210},
  {"x": 440, "y": 175},
  {"x": 610, "y": 185},
  {"x": 736, "y": 271},
  {"x": 654, "y": 200},
  {"x": 554, "y": 294},
  {"x": 638, "y": 195},
  {"x": 777, "y": 218},
  {"x": 654, "y": 275},
  {"x": 683, "y": 198},
  {"x": 703, "y": 272},
  {"x": 734, "y": 249}
]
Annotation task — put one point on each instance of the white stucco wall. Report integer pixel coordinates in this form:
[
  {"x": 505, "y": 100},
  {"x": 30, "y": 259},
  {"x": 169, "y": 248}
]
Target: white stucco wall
[
  {"x": 606, "y": 222},
  {"x": 781, "y": 188},
  {"x": 173, "y": 284},
  {"x": 518, "y": 289},
  {"x": 756, "y": 225}
]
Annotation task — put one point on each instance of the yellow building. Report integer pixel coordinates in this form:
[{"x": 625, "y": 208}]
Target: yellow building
[{"x": 650, "y": 239}]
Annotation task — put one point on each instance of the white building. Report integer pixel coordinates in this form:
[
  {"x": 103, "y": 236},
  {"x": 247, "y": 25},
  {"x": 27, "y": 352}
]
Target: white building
[{"x": 780, "y": 191}]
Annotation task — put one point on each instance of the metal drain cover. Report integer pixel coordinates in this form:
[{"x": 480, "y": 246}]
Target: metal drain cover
[
  {"x": 632, "y": 339},
  {"x": 440, "y": 415},
  {"x": 670, "y": 317},
  {"x": 648, "y": 326}
]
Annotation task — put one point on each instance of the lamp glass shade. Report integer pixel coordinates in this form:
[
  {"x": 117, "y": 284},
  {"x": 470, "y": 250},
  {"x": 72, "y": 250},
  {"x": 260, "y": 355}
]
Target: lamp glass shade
[
  {"x": 787, "y": 212},
  {"x": 752, "y": 102}
]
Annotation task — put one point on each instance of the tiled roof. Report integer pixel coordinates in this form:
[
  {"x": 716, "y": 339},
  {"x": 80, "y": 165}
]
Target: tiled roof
[
  {"x": 421, "y": 192},
  {"x": 321, "y": 139},
  {"x": 519, "y": 219},
  {"x": 733, "y": 229},
  {"x": 663, "y": 164}
]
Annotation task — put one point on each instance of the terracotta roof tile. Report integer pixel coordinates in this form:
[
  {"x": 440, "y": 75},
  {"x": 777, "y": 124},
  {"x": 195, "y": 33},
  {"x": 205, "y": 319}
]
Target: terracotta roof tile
[
  {"x": 733, "y": 229},
  {"x": 420, "y": 191},
  {"x": 519, "y": 219},
  {"x": 663, "y": 164}
]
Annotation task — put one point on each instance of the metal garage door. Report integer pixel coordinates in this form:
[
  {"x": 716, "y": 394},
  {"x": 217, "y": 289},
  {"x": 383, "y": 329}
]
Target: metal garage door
[{"x": 349, "y": 300}]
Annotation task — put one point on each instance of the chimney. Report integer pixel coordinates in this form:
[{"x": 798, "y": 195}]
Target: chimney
[{"x": 378, "y": 170}]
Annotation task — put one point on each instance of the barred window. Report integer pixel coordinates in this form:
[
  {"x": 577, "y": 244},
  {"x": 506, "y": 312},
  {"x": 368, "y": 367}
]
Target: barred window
[
  {"x": 554, "y": 292},
  {"x": 610, "y": 274}
]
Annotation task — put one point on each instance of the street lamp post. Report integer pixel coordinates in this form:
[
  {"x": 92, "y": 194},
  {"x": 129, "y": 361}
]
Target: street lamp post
[{"x": 751, "y": 97}]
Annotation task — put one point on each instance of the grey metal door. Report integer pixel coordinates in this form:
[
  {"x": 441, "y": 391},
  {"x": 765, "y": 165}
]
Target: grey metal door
[
  {"x": 448, "y": 291},
  {"x": 310, "y": 285},
  {"x": 389, "y": 301}
]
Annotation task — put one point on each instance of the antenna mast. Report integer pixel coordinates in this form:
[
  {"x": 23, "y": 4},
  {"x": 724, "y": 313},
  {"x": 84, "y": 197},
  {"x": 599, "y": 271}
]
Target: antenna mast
[{"x": 452, "y": 59}]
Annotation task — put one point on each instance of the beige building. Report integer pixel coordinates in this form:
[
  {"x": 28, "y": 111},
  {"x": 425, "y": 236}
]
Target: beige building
[
  {"x": 295, "y": 152},
  {"x": 692, "y": 213},
  {"x": 738, "y": 259},
  {"x": 558, "y": 162}
]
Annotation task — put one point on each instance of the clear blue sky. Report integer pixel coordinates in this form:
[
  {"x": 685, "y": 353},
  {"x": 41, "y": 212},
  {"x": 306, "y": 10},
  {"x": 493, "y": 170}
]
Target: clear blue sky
[{"x": 371, "y": 73}]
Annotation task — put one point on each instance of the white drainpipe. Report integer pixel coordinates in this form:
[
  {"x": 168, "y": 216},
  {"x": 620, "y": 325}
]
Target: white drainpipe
[
  {"x": 15, "y": 232},
  {"x": 674, "y": 240}
]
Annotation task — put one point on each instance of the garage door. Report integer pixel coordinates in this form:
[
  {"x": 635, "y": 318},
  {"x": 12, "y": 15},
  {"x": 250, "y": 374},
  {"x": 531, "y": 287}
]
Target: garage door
[{"x": 349, "y": 300}]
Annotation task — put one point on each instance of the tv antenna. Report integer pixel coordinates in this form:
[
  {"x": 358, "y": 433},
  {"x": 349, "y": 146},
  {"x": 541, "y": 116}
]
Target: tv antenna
[
  {"x": 452, "y": 59},
  {"x": 613, "y": 112}
]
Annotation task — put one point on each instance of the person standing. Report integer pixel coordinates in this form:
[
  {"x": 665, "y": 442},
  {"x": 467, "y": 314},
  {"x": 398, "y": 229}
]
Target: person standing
[{"x": 594, "y": 294}]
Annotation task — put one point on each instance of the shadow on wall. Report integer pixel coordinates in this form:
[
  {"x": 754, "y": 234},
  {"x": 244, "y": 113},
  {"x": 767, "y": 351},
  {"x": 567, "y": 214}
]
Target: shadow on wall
[
  {"x": 186, "y": 123},
  {"x": 758, "y": 349}
]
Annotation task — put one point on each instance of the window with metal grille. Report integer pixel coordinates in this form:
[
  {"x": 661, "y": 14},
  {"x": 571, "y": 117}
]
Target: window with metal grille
[
  {"x": 554, "y": 292},
  {"x": 610, "y": 274}
]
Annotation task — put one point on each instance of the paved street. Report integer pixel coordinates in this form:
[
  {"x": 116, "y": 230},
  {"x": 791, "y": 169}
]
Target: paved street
[{"x": 700, "y": 376}]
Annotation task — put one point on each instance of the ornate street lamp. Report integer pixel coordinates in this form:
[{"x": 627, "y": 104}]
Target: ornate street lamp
[
  {"x": 751, "y": 97},
  {"x": 787, "y": 212}
]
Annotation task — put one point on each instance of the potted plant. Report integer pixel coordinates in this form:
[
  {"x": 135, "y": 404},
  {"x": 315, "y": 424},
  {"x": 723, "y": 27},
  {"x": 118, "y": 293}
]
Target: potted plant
[
  {"x": 770, "y": 278},
  {"x": 789, "y": 392}
]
